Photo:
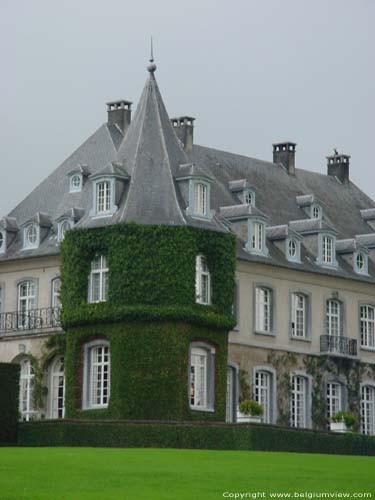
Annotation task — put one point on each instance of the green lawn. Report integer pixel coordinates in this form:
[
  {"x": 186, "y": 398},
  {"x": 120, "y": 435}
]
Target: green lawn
[{"x": 137, "y": 474}]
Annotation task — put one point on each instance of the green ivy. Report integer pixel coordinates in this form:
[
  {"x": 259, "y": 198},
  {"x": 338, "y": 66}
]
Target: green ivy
[{"x": 150, "y": 318}]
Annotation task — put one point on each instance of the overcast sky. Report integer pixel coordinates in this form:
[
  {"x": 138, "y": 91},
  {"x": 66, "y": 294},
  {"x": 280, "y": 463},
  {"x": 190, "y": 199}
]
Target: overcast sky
[{"x": 252, "y": 72}]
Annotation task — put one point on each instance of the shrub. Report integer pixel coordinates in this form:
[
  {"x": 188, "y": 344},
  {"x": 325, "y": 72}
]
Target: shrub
[
  {"x": 345, "y": 416},
  {"x": 251, "y": 407},
  {"x": 9, "y": 393}
]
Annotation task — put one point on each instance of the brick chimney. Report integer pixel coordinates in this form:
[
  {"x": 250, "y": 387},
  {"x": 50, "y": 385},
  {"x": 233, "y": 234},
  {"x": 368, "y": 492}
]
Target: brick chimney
[
  {"x": 338, "y": 166},
  {"x": 184, "y": 128},
  {"x": 119, "y": 113},
  {"x": 285, "y": 153}
]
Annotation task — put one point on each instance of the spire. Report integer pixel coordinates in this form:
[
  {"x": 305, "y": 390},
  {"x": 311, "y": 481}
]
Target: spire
[
  {"x": 151, "y": 154},
  {"x": 152, "y": 67}
]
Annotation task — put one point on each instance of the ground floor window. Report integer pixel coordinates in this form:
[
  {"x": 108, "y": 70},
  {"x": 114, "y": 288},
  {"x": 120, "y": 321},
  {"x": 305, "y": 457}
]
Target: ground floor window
[
  {"x": 334, "y": 399},
  {"x": 263, "y": 393},
  {"x": 368, "y": 409},
  {"x": 298, "y": 401},
  {"x": 26, "y": 402},
  {"x": 201, "y": 377},
  {"x": 97, "y": 374},
  {"x": 231, "y": 394},
  {"x": 57, "y": 388}
]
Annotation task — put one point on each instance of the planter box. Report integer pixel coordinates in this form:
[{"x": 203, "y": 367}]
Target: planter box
[
  {"x": 338, "y": 427},
  {"x": 242, "y": 418}
]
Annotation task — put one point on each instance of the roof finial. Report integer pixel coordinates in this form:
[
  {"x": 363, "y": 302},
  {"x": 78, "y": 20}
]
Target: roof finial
[{"x": 152, "y": 67}]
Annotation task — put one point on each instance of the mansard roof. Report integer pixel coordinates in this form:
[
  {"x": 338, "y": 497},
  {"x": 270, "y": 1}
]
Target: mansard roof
[{"x": 150, "y": 157}]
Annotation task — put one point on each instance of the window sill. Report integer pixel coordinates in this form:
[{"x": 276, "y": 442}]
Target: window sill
[
  {"x": 207, "y": 410},
  {"x": 98, "y": 407},
  {"x": 304, "y": 339},
  {"x": 267, "y": 334},
  {"x": 367, "y": 348}
]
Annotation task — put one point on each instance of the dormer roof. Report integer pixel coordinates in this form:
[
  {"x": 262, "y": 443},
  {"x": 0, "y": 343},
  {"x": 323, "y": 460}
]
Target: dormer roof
[
  {"x": 43, "y": 220},
  {"x": 9, "y": 224},
  {"x": 112, "y": 169},
  {"x": 80, "y": 169},
  {"x": 311, "y": 226},
  {"x": 244, "y": 211},
  {"x": 74, "y": 214}
]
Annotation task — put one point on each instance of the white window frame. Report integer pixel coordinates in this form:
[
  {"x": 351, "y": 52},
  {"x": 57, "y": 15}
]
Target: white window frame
[
  {"x": 334, "y": 397},
  {"x": 26, "y": 397},
  {"x": 327, "y": 250},
  {"x": 257, "y": 237},
  {"x": 62, "y": 228},
  {"x": 360, "y": 263},
  {"x": 263, "y": 393},
  {"x": 101, "y": 273},
  {"x": 75, "y": 187},
  {"x": 299, "y": 312},
  {"x": 202, "y": 363},
  {"x": 299, "y": 401},
  {"x": 27, "y": 244},
  {"x": 368, "y": 409},
  {"x": 316, "y": 211},
  {"x": 55, "y": 293},
  {"x": 57, "y": 388},
  {"x": 26, "y": 303},
  {"x": 200, "y": 199},
  {"x": 367, "y": 325},
  {"x": 202, "y": 280},
  {"x": 3, "y": 241},
  {"x": 103, "y": 196},
  {"x": 334, "y": 327},
  {"x": 263, "y": 309},
  {"x": 293, "y": 249},
  {"x": 99, "y": 371},
  {"x": 249, "y": 197}
]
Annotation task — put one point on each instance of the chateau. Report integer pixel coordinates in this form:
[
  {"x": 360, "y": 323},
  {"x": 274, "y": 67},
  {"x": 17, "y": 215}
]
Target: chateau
[{"x": 149, "y": 277}]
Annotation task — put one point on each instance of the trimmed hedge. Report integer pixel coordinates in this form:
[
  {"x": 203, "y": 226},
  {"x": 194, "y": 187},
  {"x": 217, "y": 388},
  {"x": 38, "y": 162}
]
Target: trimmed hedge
[
  {"x": 9, "y": 394},
  {"x": 198, "y": 436}
]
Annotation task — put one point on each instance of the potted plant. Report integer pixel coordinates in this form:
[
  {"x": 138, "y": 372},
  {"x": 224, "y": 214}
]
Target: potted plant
[
  {"x": 343, "y": 421},
  {"x": 250, "y": 411}
]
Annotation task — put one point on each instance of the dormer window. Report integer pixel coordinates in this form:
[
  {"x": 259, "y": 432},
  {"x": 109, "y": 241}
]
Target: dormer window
[
  {"x": 327, "y": 250},
  {"x": 103, "y": 197},
  {"x": 292, "y": 246},
  {"x": 64, "y": 226},
  {"x": 256, "y": 243},
  {"x": 361, "y": 263},
  {"x": 249, "y": 197},
  {"x": 316, "y": 212},
  {"x": 200, "y": 199},
  {"x": 293, "y": 250},
  {"x": 31, "y": 236},
  {"x": 2, "y": 241},
  {"x": 75, "y": 183}
]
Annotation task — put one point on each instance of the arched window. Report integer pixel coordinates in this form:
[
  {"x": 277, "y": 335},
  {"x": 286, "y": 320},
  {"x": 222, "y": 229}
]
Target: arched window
[
  {"x": 316, "y": 212},
  {"x": 201, "y": 379},
  {"x": 26, "y": 403},
  {"x": 75, "y": 183},
  {"x": 64, "y": 227},
  {"x": 202, "y": 281},
  {"x": 367, "y": 321},
  {"x": 2, "y": 241},
  {"x": 368, "y": 409},
  {"x": 97, "y": 378},
  {"x": 98, "y": 281},
  {"x": 26, "y": 304},
  {"x": 57, "y": 388},
  {"x": 31, "y": 235}
]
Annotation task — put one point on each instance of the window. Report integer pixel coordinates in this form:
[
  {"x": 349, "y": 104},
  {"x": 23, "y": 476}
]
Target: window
[
  {"x": 200, "y": 199},
  {"x": 103, "y": 197},
  {"x": 299, "y": 315},
  {"x": 328, "y": 249},
  {"x": 316, "y": 212},
  {"x": 2, "y": 241},
  {"x": 361, "y": 263},
  {"x": 368, "y": 409},
  {"x": 75, "y": 183},
  {"x": 201, "y": 380},
  {"x": 333, "y": 317},
  {"x": 57, "y": 388},
  {"x": 98, "y": 286},
  {"x": 98, "y": 375},
  {"x": 298, "y": 401},
  {"x": 263, "y": 393},
  {"x": 202, "y": 281},
  {"x": 56, "y": 285},
  {"x": 334, "y": 399},
  {"x": 292, "y": 249},
  {"x": 31, "y": 236},
  {"x": 230, "y": 415},
  {"x": 26, "y": 403},
  {"x": 367, "y": 326},
  {"x": 26, "y": 304},
  {"x": 249, "y": 198},
  {"x": 263, "y": 310},
  {"x": 64, "y": 227},
  {"x": 257, "y": 237}
]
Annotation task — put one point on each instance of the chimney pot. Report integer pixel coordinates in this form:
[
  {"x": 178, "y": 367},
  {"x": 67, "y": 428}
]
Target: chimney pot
[
  {"x": 119, "y": 113},
  {"x": 184, "y": 128},
  {"x": 285, "y": 153}
]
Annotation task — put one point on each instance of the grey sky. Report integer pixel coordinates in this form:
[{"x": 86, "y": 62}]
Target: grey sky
[{"x": 251, "y": 72}]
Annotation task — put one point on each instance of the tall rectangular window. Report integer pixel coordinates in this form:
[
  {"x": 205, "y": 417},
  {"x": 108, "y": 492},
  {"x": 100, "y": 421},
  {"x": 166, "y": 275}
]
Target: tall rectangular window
[
  {"x": 202, "y": 281},
  {"x": 298, "y": 401},
  {"x": 368, "y": 409},
  {"x": 103, "y": 197},
  {"x": 299, "y": 315},
  {"x": 98, "y": 282},
  {"x": 100, "y": 376},
  {"x": 367, "y": 326},
  {"x": 333, "y": 317},
  {"x": 258, "y": 236},
  {"x": 198, "y": 378},
  {"x": 200, "y": 199},
  {"x": 26, "y": 304},
  {"x": 262, "y": 393},
  {"x": 334, "y": 399},
  {"x": 263, "y": 312},
  {"x": 328, "y": 249}
]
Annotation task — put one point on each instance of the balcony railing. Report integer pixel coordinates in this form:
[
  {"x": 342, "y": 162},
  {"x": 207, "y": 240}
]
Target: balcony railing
[
  {"x": 336, "y": 344},
  {"x": 35, "y": 319}
]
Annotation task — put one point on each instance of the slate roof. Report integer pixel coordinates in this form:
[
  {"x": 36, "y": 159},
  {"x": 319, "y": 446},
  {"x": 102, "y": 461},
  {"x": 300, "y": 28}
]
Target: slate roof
[{"x": 151, "y": 159}]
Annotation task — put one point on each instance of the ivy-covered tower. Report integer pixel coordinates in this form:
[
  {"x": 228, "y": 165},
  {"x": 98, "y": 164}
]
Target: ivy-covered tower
[{"x": 147, "y": 283}]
